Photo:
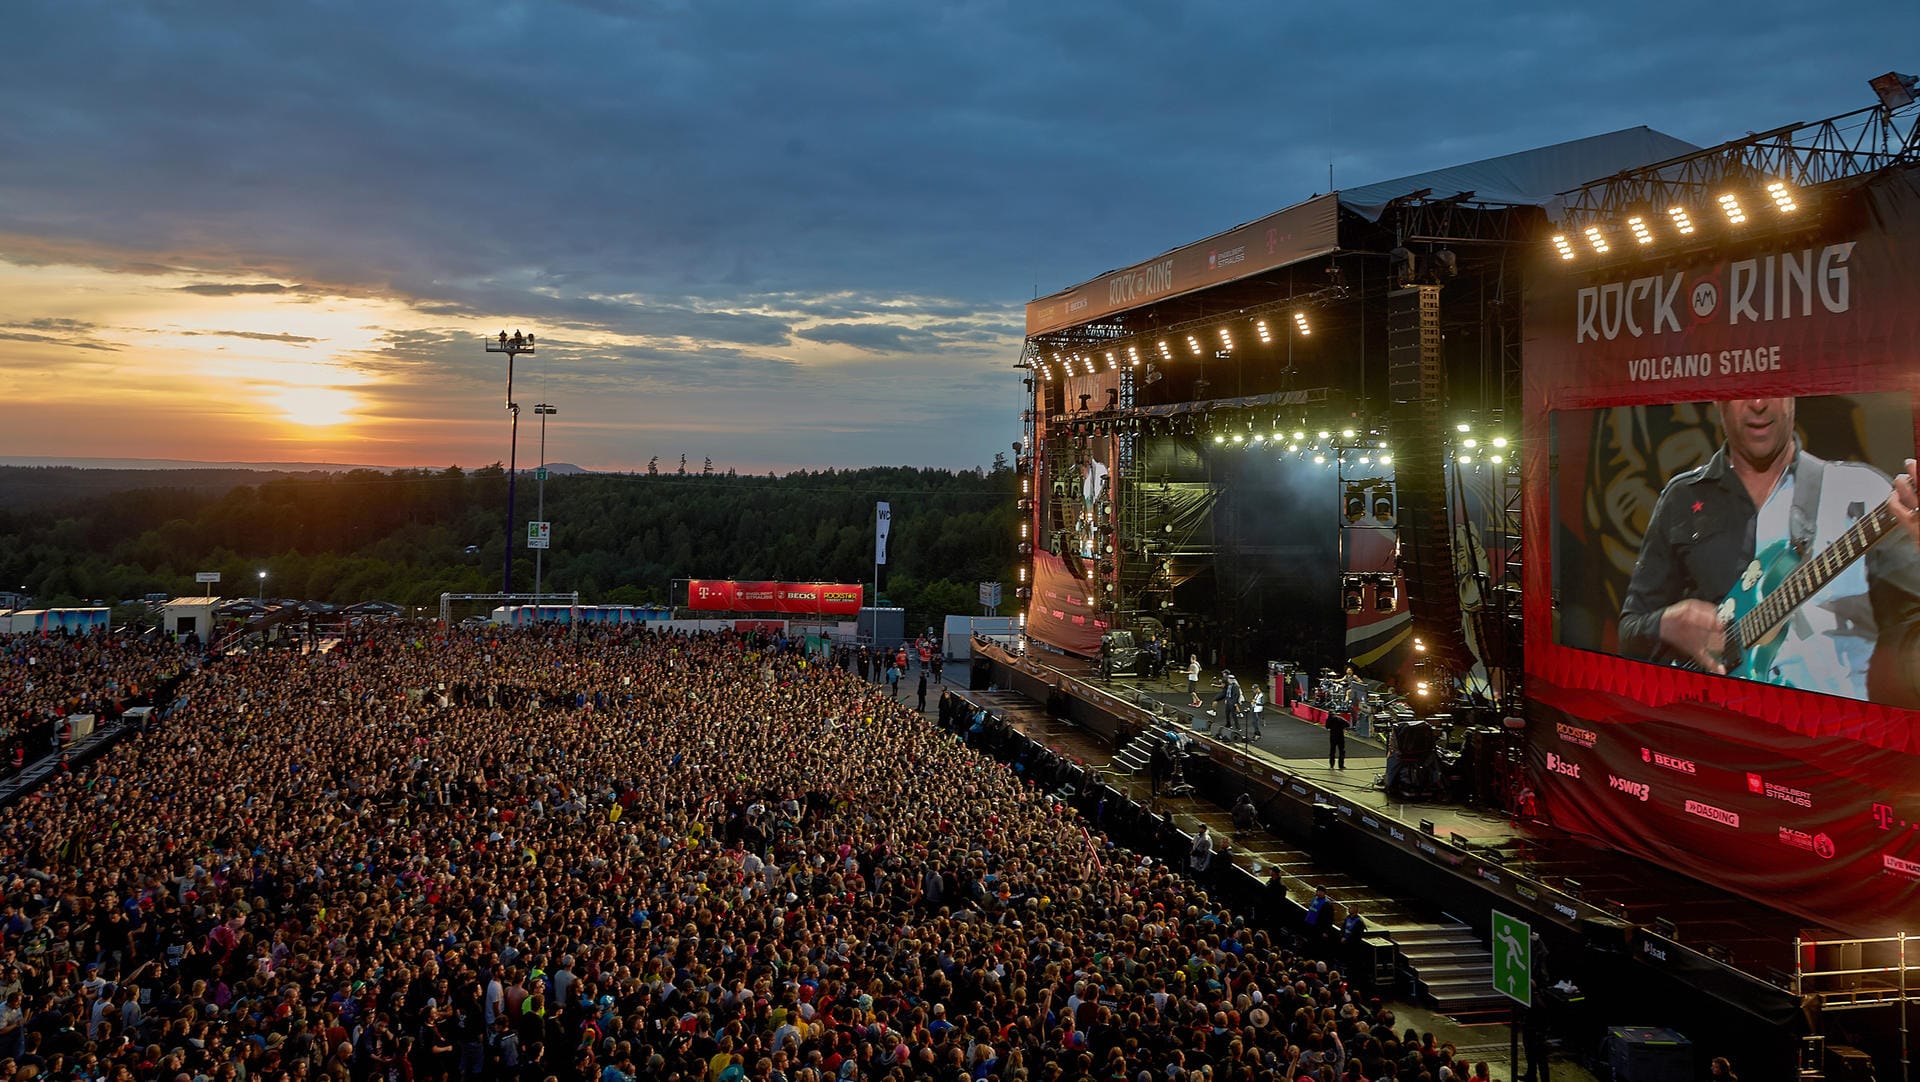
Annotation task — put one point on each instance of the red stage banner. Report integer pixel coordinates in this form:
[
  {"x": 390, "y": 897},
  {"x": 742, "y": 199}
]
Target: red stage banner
[
  {"x": 792, "y": 598},
  {"x": 1062, "y": 613},
  {"x": 1653, "y": 390}
]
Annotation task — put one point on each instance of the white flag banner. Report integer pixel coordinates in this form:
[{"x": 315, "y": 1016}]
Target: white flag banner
[{"x": 884, "y": 523}]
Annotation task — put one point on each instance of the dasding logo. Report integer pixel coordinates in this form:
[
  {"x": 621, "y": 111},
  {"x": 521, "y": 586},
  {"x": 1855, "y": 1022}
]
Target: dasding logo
[
  {"x": 1573, "y": 734},
  {"x": 1566, "y": 767},
  {"x": 1781, "y": 285},
  {"x": 1719, "y": 815},
  {"x": 1129, "y": 286},
  {"x": 1818, "y": 844},
  {"x": 1630, "y": 787},
  {"x": 1670, "y": 762}
]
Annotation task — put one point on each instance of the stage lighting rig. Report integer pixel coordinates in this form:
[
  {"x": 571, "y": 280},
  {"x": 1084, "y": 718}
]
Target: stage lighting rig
[
  {"x": 1641, "y": 233},
  {"x": 1266, "y": 334},
  {"x": 1597, "y": 240},
  {"x": 1564, "y": 246},
  {"x": 1782, "y": 197},
  {"x": 1730, "y": 206},
  {"x": 1194, "y": 345}
]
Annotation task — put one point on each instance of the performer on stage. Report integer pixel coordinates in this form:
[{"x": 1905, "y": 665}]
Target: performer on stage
[{"x": 1855, "y": 637}]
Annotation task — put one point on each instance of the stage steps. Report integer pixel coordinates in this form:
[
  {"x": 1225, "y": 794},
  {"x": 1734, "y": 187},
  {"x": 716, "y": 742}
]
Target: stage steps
[
  {"x": 1135, "y": 757},
  {"x": 1447, "y": 968}
]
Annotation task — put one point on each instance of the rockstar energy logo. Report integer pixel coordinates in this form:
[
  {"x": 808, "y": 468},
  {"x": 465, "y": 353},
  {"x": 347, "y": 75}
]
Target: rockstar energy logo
[{"x": 841, "y": 595}]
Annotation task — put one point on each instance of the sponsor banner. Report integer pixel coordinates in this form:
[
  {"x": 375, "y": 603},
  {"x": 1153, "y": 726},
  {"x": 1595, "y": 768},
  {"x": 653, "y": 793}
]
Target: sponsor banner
[
  {"x": 1299, "y": 232},
  {"x": 795, "y": 598}
]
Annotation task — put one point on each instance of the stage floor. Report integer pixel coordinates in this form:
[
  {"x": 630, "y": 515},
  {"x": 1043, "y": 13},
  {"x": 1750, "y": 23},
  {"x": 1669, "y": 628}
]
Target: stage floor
[{"x": 1758, "y": 939}]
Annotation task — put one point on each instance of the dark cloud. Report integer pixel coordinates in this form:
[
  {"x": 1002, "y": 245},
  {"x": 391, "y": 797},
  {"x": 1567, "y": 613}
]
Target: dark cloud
[
  {"x": 872, "y": 337},
  {"x": 235, "y": 289},
  {"x": 258, "y": 336},
  {"x": 52, "y": 340}
]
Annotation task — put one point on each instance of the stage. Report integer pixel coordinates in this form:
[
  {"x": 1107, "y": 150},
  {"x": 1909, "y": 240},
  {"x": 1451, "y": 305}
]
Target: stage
[{"x": 1450, "y": 858}]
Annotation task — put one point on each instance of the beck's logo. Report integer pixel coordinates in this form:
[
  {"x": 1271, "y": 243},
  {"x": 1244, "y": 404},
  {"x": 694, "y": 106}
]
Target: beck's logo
[
  {"x": 1565, "y": 767},
  {"x": 1670, "y": 762}
]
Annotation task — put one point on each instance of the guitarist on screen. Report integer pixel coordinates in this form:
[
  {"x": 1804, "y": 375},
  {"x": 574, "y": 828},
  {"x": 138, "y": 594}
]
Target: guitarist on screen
[{"x": 1751, "y": 565}]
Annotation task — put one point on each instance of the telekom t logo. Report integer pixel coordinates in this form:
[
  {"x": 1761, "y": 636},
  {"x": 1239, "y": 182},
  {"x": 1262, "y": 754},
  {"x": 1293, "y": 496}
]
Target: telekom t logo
[{"x": 1883, "y": 815}]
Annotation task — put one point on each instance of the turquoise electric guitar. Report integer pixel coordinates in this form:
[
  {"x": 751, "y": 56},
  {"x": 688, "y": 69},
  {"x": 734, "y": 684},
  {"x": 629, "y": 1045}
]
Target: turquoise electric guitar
[{"x": 1777, "y": 583}]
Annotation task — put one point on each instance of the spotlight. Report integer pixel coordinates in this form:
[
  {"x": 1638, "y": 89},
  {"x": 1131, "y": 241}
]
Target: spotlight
[
  {"x": 1463, "y": 427},
  {"x": 1133, "y": 356},
  {"x": 1300, "y": 321},
  {"x": 1352, "y": 597},
  {"x": 1226, "y": 338},
  {"x": 1260, "y": 327},
  {"x": 1563, "y": 245},
  {"x": 1194, "y": 345},
  {"x": 1598, "y": 239},
  {"x": 1218, "y": 438},
  {"x": 1730, "y": 203},
  {"x": 1640, "y": 231},
  {"x": 1680, "y": 219},
  {"x": 1470, "y": 443},
  {"x": 1386, "y": 460},
  {"x": 1383, "y": 505},
  {"x": 1319, "y": 460},
  {"x": 1419, "y": 645},
  {"x": 1346, "y": 433},
  {"x": 1111, "y": 363},
  {"x": 1324, "y": 434},
  {"x": 1499, "y": 441},
  {"x": 1496, "y": 460},
  {"x": 1259, "y": 437},
  {"x": 1356, "y": 503},
  {"x": 1166, "y": 351},
  {"x": 1466, "y": 460},
  {"x": 1238, "y": 438},
  {"x": 1782, "y": 196},
  {"x": 1293, "y": 447}
]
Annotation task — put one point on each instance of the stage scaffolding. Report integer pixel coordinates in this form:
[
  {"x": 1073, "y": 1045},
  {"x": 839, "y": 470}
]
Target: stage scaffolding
[{"x": 1852, "y": 982}]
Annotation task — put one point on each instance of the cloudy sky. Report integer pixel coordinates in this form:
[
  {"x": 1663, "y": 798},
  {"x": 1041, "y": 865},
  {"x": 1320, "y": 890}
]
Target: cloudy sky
[{"x": 794, "y": 234}]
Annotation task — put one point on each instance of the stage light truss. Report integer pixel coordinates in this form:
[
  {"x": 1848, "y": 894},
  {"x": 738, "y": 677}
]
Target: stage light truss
[
  {"x": 1074, "y": 352},
  {"x": 1736, "y": 180}
]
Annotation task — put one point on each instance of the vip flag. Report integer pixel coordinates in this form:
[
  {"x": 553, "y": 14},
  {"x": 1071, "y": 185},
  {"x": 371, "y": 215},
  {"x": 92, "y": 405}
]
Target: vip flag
[{"x": 881, "y": 527}]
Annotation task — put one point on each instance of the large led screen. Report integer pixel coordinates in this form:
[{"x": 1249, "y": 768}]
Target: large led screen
[
  {"x": 1748, "y": 538},
  {"x": 1722, "y": 620}
]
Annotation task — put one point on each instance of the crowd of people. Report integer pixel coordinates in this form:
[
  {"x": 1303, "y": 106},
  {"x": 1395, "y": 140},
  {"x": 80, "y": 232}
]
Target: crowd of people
[
  {"x": 45, "y": 679},
  {"x": 610, "y": 855}
]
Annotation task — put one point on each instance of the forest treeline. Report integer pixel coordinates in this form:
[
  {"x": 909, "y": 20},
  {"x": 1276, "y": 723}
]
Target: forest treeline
[{"x": 404, "y": 536}]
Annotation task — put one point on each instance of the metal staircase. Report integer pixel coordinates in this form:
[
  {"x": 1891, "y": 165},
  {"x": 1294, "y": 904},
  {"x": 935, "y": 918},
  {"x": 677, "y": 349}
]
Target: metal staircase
[{"x": 1447, "y": 968}]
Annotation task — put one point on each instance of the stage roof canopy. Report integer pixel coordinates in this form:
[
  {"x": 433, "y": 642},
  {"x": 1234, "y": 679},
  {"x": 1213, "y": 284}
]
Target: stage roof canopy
[
  {"x": 1310, "y": 229},
  {"x": 1530, "y": 177}
]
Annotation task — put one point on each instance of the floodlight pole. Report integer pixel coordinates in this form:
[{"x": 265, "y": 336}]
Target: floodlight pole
[
  {"x": 544, "y": 411},
  {"x": 513, "y": 346}
]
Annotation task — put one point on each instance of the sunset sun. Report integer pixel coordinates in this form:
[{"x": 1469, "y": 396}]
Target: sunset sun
[{"x": 315, "y": 406}]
